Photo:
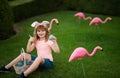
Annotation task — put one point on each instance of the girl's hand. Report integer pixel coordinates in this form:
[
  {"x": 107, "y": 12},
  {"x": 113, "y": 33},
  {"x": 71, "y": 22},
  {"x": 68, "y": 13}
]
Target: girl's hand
[
  {"x": 53, "y": 38},
  {"x": 55, "y": 46},
  {"x": 31, "y": 39}
]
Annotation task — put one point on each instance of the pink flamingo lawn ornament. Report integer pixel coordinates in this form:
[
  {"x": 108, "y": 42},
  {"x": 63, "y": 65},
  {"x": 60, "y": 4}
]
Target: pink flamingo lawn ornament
[
  {"x": 97, "y": 20},
  {"x": 51, "y": 23},
  {"x": 50, "y": 27},
  {"x": 80, "y": 52},
  {"x": 82, "y": 15}
]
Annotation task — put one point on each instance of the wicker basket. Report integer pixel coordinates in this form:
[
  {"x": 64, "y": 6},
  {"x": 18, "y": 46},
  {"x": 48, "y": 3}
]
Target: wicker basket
[{"x": 20, "y": 69}]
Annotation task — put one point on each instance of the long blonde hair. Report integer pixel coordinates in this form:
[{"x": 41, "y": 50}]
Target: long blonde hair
[{"x": 39, "y": 28}]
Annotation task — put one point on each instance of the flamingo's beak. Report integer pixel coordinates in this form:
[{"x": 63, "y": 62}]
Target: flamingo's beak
[
  {"x": 57, "y": 23},
  {"x": 101, "y": 49},
  {"x": 90, "y": 18},
  {"x": 110, "y": 18}
]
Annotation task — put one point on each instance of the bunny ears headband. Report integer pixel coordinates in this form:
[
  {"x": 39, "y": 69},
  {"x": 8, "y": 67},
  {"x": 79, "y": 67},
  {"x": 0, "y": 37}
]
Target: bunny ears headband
[{"x": 44, "y": 23}]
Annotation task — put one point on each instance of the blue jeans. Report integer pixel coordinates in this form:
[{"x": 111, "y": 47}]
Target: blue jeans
[{"x": 47, "y": 63}]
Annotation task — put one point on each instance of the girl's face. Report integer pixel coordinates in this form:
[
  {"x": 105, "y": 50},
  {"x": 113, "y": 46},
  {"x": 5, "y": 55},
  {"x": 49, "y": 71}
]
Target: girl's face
[{"x": 41, "y": 33}]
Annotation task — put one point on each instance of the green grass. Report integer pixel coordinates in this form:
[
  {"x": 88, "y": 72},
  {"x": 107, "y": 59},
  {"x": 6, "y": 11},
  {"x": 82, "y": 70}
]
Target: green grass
[{"x": 71, "y": 33}]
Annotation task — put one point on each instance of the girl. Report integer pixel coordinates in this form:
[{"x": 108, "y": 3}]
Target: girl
[{"x": 44, "y": 48}]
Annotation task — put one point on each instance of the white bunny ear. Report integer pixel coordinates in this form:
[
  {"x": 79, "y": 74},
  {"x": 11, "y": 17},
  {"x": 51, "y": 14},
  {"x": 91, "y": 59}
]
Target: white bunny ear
[
  {"x": 46, "y": 22},
  {"x": 33, "y": 24}
]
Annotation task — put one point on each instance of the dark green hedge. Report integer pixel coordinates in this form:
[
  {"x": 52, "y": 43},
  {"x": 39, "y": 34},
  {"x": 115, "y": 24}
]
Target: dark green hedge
[
  {"x": 108, "y": 7},
  {"x": 35, "y": 7},
  {"x": 10, "y": 0},
  {"x": 6, "y": 20}
]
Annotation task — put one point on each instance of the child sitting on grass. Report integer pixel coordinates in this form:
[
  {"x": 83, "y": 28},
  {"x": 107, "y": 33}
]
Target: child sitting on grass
[{"x": 44, "y": 48}]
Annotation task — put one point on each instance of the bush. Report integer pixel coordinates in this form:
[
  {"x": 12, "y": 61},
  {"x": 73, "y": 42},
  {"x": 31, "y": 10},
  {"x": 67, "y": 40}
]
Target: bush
[
  {"x": 10, "y": 0},
  {"x": 108, "y": 7},
  {"x": 6, "y": 20},
  {"x": 34, "y": 8},
  {"x": 37, "y": 7}
]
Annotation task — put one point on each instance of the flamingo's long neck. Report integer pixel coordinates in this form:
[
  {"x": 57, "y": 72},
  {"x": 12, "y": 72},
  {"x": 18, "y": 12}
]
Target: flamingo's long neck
[
  {"x": 50, "y": 27},
  {"x": 87, "y": 18},
  {"x": 93, "y": 52},
  {"x": 105, "y": 20}
]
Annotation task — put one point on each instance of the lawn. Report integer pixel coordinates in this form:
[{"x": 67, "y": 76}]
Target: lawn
[{"x": 71, "y": 33}]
